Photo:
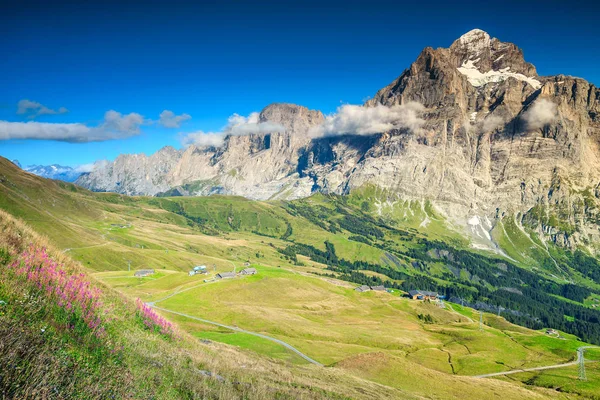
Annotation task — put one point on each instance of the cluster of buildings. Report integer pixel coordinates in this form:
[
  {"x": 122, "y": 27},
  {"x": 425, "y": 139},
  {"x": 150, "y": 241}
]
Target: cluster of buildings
[
  {"x": 203, "y": 270},
  {"x": 413, "y": 294},
  {"x": 423, "y": 295}
]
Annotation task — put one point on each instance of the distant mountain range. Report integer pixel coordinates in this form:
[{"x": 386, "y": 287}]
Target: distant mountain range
[
  {"x": 471, "y": 128},
  {"x": 54, "y": 171}
]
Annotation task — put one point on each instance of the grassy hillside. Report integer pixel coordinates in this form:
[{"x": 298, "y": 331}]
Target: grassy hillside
[
  {"x": 310, "y": 254},
  {"x": 48, "y": 351}
]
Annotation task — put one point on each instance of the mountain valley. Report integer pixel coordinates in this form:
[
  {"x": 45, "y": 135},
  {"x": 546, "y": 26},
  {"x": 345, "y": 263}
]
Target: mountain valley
[{"x": 440, "y": 240}]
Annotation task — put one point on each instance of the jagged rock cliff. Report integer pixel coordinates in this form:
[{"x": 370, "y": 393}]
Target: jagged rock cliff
[{"x": 496, "y": 139}]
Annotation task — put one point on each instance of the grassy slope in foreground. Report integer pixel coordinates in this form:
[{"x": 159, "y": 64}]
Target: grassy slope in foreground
[{"x": 45, "y": 355}]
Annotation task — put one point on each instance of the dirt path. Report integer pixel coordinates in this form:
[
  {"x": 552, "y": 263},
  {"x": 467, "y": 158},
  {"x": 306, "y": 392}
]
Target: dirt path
[
  {"x": 517, "y": 371},
  {"x": 86, "y": 247},
  {"x": 233, "y": 328}
]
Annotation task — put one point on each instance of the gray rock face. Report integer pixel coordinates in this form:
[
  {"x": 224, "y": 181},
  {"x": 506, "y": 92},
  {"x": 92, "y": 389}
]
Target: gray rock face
[
  {"x": 133, "y": 174},
  {"x": 497, "y": 140}
]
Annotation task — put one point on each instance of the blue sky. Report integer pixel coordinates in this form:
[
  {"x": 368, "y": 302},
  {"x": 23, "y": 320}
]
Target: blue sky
[{"x": 212, "y": 59}]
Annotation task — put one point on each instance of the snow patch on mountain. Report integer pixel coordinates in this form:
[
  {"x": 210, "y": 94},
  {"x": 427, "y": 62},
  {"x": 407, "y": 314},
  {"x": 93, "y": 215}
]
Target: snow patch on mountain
[{"x": 478, "y": 78}]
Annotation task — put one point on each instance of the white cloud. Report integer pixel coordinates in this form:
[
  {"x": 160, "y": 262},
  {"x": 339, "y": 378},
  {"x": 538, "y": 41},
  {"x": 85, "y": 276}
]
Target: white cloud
[
  {"x": 115, "y": 121},
  {"x": 541, "y": 113},
  {"x": 99, "y": 165},
  {"x": 114, "y": 126},
  {"x": 237, "y": 125},
  {"x": 490, "y": 123},
  {"x": 33, "y": 109},
  {"x": 203, "y": 139},
  {"x": 84, "y": 168},
  {"x": 348, "y": 120},
  {"x": 168, "y": 119},
  {"x": 360, "y": 120}
]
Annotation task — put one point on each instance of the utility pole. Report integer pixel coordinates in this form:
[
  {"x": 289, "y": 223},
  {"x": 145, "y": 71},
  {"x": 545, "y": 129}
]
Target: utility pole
[
  {"x": 499, "y": 309},
  {"x": 128, "y": 265},
  {"x": 582, "y": 376}
]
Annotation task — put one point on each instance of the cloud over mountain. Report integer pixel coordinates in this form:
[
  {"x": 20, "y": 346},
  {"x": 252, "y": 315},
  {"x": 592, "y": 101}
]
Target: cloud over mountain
[
  {"x": 203, "y": 139},
  {"x": 541, "y": 113},
  {"x": 360, "y": 120},
  {"x": 490, "y": 123},
  {"x": 237, "y": 125},
  {"x": 347, "y": 120}
]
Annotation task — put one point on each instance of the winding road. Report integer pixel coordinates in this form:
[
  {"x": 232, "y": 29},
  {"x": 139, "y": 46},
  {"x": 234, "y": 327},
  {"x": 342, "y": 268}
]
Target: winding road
[
  {"x": 580, "y": 351},
  {"x": 233, "y": 328}
]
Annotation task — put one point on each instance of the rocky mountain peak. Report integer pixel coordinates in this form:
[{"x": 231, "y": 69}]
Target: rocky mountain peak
[
  {"x": 451, "y": 76},
  {"x": 294, "y": 118},
  {"x": 476, "y": 53},
  {"x": 473, "y": 43},
  {"x": 168, "y": 151}
]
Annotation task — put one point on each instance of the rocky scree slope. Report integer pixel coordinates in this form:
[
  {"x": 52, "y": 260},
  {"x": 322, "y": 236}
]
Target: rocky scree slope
[{"x": 495, "y": 140}]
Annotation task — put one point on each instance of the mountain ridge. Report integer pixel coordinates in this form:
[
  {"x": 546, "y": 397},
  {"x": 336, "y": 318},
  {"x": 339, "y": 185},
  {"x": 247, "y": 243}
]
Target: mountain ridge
[
  {"x": 490, "y": 139},
  {"x": 54, "y": 171}
]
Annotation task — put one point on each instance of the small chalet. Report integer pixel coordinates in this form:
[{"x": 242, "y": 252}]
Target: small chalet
[
  {"x": 379, "y": 288},
  {"x": 143, "y": 272},
  {"x": 248, "y": 271},
  {"x": 363, "y": 288},
  {"x": 422, "y": 295},
  {"x": 199, "y": 269},
  {"x": 226, "y": 275}
]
